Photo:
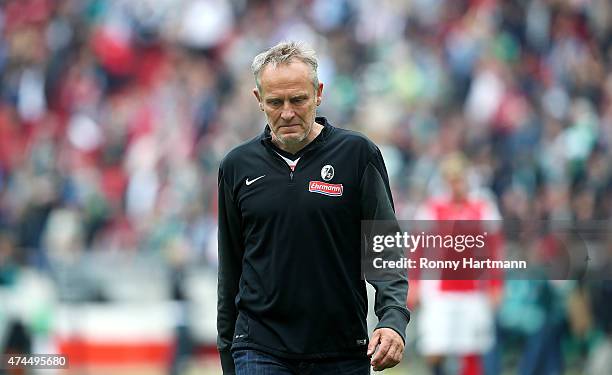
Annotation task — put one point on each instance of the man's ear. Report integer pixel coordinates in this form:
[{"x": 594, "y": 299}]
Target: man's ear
[
  {"x": 256, "y": 93},
  {"x": 319, "y": 93}
]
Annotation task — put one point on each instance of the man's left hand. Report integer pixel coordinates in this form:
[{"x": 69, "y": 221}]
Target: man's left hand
[{"x": 390, "y": 349}]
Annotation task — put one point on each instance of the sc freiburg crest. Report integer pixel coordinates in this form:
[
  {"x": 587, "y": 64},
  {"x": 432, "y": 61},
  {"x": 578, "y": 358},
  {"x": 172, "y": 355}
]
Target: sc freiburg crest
[{"x": 327, "y": 172}]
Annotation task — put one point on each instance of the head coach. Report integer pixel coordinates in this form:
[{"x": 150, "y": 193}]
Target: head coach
[{"x": 291, "y": 296}]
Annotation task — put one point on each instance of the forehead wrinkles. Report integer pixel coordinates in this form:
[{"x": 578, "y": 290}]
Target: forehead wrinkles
[
  {"x": 285, "y": 93},
  {"x": 293, "y": 76}
]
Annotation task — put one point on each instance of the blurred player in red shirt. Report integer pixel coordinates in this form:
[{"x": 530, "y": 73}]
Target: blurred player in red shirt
[{"x": 456, "y": 316}]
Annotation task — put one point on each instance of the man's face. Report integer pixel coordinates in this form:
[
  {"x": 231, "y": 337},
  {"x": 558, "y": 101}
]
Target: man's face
[
  {"x": 289, "y": 102},
  {"x": 458, "y": 187}
]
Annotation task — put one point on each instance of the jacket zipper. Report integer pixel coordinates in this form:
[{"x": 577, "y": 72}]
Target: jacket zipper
[{"x": 280, "y": 159}]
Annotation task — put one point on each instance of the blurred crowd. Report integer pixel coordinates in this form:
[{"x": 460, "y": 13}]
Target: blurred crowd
[{"x": 114, "y": 114}]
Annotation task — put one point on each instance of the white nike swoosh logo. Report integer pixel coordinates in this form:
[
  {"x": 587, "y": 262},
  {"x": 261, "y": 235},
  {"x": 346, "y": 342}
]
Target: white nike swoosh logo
[{"x": 253, "y": 180}]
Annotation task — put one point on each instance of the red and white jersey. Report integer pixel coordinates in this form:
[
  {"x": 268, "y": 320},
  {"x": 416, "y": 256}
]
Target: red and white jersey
[{"x": 476, "y": 207}]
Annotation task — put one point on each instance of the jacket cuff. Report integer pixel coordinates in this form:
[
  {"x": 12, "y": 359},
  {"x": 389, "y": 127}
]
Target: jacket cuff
[
  {"x": 227, "y": 362},
  {"x": 395, "y": 319}
]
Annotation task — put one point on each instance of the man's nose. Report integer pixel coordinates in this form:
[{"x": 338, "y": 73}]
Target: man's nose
[{"x": 287, "y": 113}]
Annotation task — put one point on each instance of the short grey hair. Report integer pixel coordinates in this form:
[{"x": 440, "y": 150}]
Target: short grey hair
[{"x": 284, "y": 53}]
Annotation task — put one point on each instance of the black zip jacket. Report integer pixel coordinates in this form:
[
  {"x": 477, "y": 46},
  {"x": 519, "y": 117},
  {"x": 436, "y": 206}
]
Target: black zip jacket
[{"x": 290, "y": 279}]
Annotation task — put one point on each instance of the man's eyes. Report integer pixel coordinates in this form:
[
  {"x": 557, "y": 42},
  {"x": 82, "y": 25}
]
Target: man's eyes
[{"x": 278, "y": 102}]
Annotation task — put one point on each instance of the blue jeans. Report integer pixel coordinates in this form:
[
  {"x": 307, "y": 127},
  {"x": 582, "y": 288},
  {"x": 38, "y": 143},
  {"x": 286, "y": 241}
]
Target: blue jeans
[{"x": 254, "y": 362}]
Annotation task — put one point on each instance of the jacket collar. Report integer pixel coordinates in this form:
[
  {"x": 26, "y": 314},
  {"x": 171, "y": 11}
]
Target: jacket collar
[{"x": 266, "y": 138}]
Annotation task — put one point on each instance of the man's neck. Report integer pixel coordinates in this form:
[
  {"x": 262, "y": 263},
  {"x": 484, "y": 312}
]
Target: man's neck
[{"x": 295, "y": 148}]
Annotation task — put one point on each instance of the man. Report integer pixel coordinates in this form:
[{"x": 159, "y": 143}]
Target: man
[
  {"x": 456, "y": 316},
  {"x": 292, "y": 299}
]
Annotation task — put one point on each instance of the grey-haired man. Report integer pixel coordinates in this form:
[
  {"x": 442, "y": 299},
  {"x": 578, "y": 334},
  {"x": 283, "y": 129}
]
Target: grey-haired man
[{"x": 292, "y": 298}]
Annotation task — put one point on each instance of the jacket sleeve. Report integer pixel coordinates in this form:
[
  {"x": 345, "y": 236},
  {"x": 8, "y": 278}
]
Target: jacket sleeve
[
  {"x": 230, "y": 268},
  {"x": 377, "y": 204}
]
